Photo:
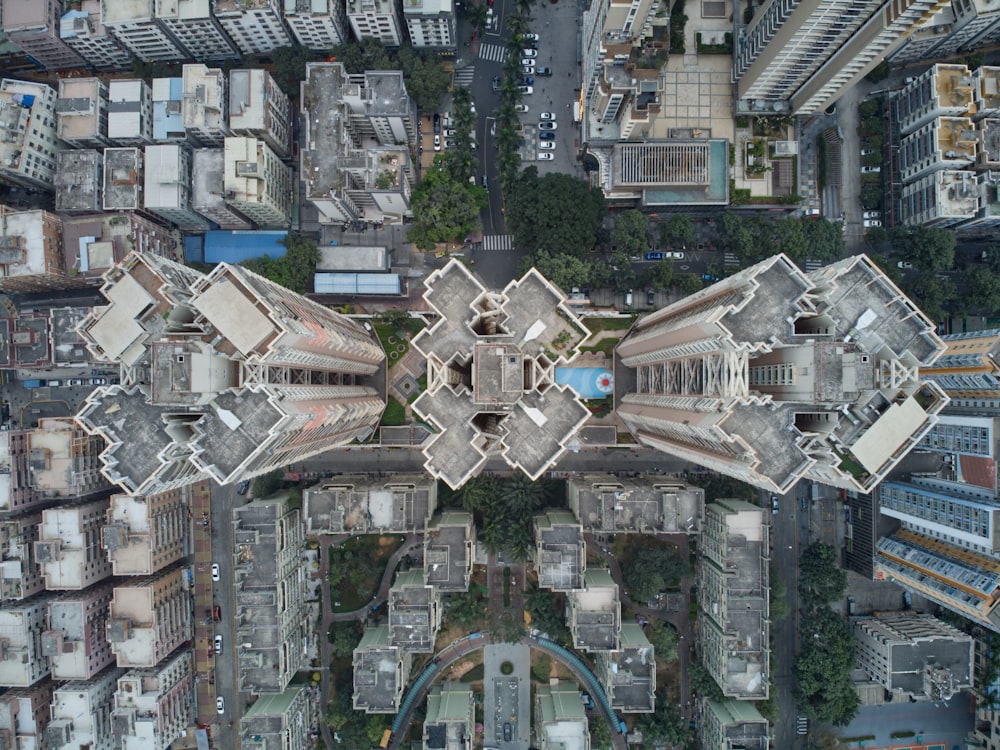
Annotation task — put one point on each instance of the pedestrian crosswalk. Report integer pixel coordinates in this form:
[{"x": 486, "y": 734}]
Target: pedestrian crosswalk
[
  {"x": 498, "y": 242},
  {"x": 730, "y": 259},
  {"x": 463, "y": 76},
  {"x": 812, "y": 265},
  {"x": 493, "y": 52}
]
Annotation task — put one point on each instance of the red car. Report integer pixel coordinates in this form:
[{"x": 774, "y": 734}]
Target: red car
[{"x": 217, "y": 613}]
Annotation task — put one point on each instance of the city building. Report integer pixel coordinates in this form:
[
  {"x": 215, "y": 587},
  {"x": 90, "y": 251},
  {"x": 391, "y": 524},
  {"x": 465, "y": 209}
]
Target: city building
[
  {"x": 256, "y": 26},
  {"x": 431, "y": 23},
  {"x": 24, "y": 715},
  {"x": 168, "y": 108},
  {"x": 93, "y": 244},
  {"x": 594, "y": 612},
  {"x": 271, "y": 591},
  {"x": 733, "y": 598},
  {"x": 64, "y": 461},
  {"x": 258, "y": 108},
  {"x": 355, "y": 153},
  {"x": 257, "y": 183},
  {"x": 69, "y": 544},
  {"x": 377, "y": 19},
  {"x": 20, "y": 576},
  {"x": 168, "y": 187},
  {"x": 144, "y": 534},
  {"x": 269, "y": 377},
  {"x": 34, "y": 27},
  {"x": 130, "y": 112},
  {"x": 28, "y": 342},
  {"x": 607, "y": 504},
  {"x": 31, "y": 252},
  {"x": 914, "y": 655},
  {"x": 491, "y": 387},
  {"x": 22, "y": 624},
  {"x": 800, "y": 56},
  {"x": 968, "y": 371},
  {"x": 381, "y": 672},
  {"x": 153, "y": 707},
  {"x": 316, "y": 24},
  {"x": 133, "y": 24},
  {"x": 82, "y": 30},
  {"x": 415, "y": 613},
  {"x": 773, "y": 375},
  {"x": 81, "y": 713},
  {"x": 362, "y": 504},
  {"x": 963, "y": 435},
  {"x": 450, "y": 723},
  {"x": 82, "y": 112},
  {"x": 560, "y": 552},
  {"x": 17, "y": 490},
  {"x": 944, "y": 143},
  {"x": 943, "y": 90},
  {"x": 628, "y": 673},
  {"x": 727, "y": 725},
  {"x": 955, "y": 27},
  {"x": 78, "y": 182},
  {"x": 449, "y": 551},
  {"x": 284, "y": 720},
  {"x": 987, "y": 92},
  {"x": 946, "y": 199},
  {"x": 75, "y": 642},
  {"x": 208, "y": 166},
  {"x": 124, "y": 175},
  {"x": 560, "y": 719},
  {"x": 149, "y": 617},
  {"x": 28, "y": 139},
  {"x": 192, "y": 24},
  {"x": 204, "y": 105},
  {"x": 66, "y": 347}
]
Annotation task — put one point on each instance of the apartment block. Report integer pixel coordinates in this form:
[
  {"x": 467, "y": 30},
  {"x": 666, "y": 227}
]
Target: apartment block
[
  {"x": 149, "y": 618},
  {"x": 82, "y": 112},
  {"x": 28, "y": 138},
  {"x": 943, "y": 143},
  {"x": 20, "y": 576},
  {"x": 257, "y": 183},
  {"x": 800, "y": 56},
  {"x": 75, "y": 642},
  {"x": 34, "y": 27},
  {"x": 560, "y": 552},
  {"x": 968, "y": 371},
  {"x": 965, "y": 435},
  {"x": 79, "y": 181},
  {"x": 451, "y": 717},
  {"x": 31, "y": 252},
  {"x": 381, "y": 672},
  {"x": 258, "y": 108},
  {"x": 205, "y": 105},
  {"x": 914, "y": 655},
  {"x": 95, "y": 243},
  {"x": 168, "y": 108},
  {"x": 81, "y": 714},
  {"x": 944, "y": 90},
  {"x": 726, "y": 725},
  {"x": 124, "y": 171},
  {"x": 130, "y": 112},
  {"x": 316, "y": 24},
  {"x": 595, "y": 612},
  {"x": 742, "y": 376},
  {"x": 22, "y": 624},
  {"x": 143, "y": 534},
  {"x": 64, "y": 461},
  {"x": 956, "y": 27},
  {"x": 256, "y": 26},
  {"x": 83, "y": 31},
  {"x": 449, "y": 550},
  {"x": 168, "y": 187},
  {"x": 362, "y": 504},
  {"x": 17, "y": 491},
  {"x": 271, "y": 591},
  {"x": 270, "y": 356},
  {"x": 431, "y": 23},
  {"x": 192, "y": 24},
  {"x": 733, "y": 598},
  {"x": 24, "y": 715},
  {"x": 283, "y": 720},
  {"x": 628, "y": 673},
  {"x": 415, "y": 613},
  {"x": 355, "y": 159},
  {"x": 987, "y": 92},
  {"x": 377, "y": 19},
  {"x": 69, "y": 546},
  {"x": 605, "y": 503},
  {"x": 153, "y": 707},
  {"x": 560, "y": 719},
  {"x": 133, "y": 23},
  {"x": 208, "y": 166},
  {"x": 946, "y": 199}
]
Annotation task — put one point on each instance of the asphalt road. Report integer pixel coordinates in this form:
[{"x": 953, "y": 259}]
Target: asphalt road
[{"x": 224, "y": 498}]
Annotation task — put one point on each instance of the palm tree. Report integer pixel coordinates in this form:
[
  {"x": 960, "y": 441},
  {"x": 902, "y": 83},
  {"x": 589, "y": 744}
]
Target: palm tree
[
  {"x": 477, "y": 15},
  {"x": 523, "y": 495},
  {"x": 476, "y": 494},
  {"x": 524, "y": 7},
  {"x": 517, "y": 25}
]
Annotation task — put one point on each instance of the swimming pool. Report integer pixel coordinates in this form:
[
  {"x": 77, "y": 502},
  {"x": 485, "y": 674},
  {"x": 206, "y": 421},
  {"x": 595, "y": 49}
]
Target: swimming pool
[{"x": 588, "y": 382}]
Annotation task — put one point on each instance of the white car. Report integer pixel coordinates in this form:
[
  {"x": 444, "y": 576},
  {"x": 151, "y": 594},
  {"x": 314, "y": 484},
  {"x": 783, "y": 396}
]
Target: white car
[
  {"x": 545, "y": 156},
  {"x": 520, "y": 107},
  {"x": 527, "y": 63},
  {"x": 218, "y": 644},
  {"x": 872, "y": 223},
  {"x": 550, "y": 116},
  {"x": 870, "y": 170},
  {"x": 528, "y": 70},
  {"x": 547, "y": 125},
  {"x": 216, "y": 575},
  {"x": 529, "y": 52},
  {"x": 220, "y": 704},
  {"x": 526, "y": 89},
  {"x": 547, "y": 145},
  {"x": 872, "y": 215},
  {"x": 867, "y": 151},
  {"x": 530, "y": 37},
  {"x": 675, "y": 255},
  {"x": 437, "y": 143},
  {"x": 904, "y": 264}
]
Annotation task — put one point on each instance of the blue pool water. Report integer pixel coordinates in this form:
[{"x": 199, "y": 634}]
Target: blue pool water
[{"x": 588, "y": 382}]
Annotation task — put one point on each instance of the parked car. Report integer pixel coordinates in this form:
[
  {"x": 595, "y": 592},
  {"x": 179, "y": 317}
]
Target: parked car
[
  {"x": 774, "y": 505},
  {"x": 872, "y": 215},
  {"x": 904, "y": 264},
  {"x": 437, "y": 123},
  {"x": 870, "y": 170},
  {"x": 529, "y": 37},
  {"x": 244, "y": 486},
  {"x": 496, "y": 83},
  {"x": 547, "y": 145},
  {"x": 655, "y": 256},
  {"x": 550, "y": 116},
  {"x": 545, "y": 156},
  {"x": 449, "y": 132},
  {"x": 867, "y": 151},
  {"x": 98, "y": 381},
  {"x": 650, "y": 297},
  {"x": 813, "y": 212},
  {"x": 547, "y": 136},
  {"x": 437, "y": 143},
  {"x": 529, "y": 52},
  {"x": 548, "y": 125},
  {"x": 216, "y": 572},
  {"x": 528, "y": 70},
  {"x": 521, "y": 108},
  {"x": 220, "y": 704},
  {"x": 675, "y": 255},
  {"x": 74, "y": 381},
  {"x": 218, "y": 644},
  {"x": 545, "y": 71},
  {"x": 872, "y": 223},
  {"x": 526, "y": 89},
  {"x": 527, "y": 81},
  {"x": 217, "y": 613},
  {"x": 53, "y": 383}
]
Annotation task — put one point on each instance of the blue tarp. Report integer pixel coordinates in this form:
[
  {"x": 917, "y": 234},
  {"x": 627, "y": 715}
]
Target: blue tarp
[
  {"x": 381, "y": 284},
  {"x": 236, "y": 246}
]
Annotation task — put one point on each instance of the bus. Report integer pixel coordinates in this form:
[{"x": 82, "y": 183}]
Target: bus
[{"x": 385, "y": 738}]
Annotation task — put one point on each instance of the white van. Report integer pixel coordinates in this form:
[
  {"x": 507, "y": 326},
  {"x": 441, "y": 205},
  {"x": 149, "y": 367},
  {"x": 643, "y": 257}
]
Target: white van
[{"x": 628, "y": 299}]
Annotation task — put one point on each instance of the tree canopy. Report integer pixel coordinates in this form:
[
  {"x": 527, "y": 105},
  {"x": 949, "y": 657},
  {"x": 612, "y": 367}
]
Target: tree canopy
[
  {"x": 289, "y": 67},
  {"x": 677, "y": 231},
  {"x": 664, "y": 639},
  {"x": 820, "y": 576},
  {"x": 666, "y": 725},
  {"x": 754, "y": 238},
  {"x": 423, "y": 71},
  {"x": 295, "y": 270},
  {"x": 557, "y": 213},
  {"x": 445, "y": 209},
  {"x": 653, "y": 569},
  {"x": 631, "y": 233},
  {"x": 565, "y": 271},
  {"x": 823, "y": 687},
  {"x": 928, "y": 248}
]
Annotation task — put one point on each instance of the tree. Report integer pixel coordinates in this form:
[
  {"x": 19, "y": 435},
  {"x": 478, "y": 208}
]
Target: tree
[
  {"x": 677, "y": 231},
  {"x": 600, "y": 734},
  {"x": 424, "y": 75},
  {"x": 779, "y": 595},
  {"x": 344, "y": 637},
  {"x": 664, "y": 639},
  {"x": 824, "y": 238},
  {"x": 365, "y": 54},
  {"x": 932, "y": 295},
  {"x": 653, "y": 569},
  {"x": 660, "y": 275},
  {"x": 631, "y": 233},
  {"x": 565, "y": 271},
  {"x": 821, "y": 578},
  {"x": 688, "y": 283},
  {"x": 444, "y": 209},
  {"x": 786, "y": 236},
  {"x": 477, "y": 14},
  {"x": 929, "y": 248},
  {"x": 557, "y": 213},
  {"x": 375, "y": 727},
  {"x": 546, "y": 614},
  {"x": 267, "y": 484},
  {"x": 823, "y": 687},
  {"x": 289, "y": 67},
  {"x": 460, "y": 158},
  {"x": 665, "y": 725},
  {"x": 982, "y": 289},
  {"x": 703, "y": 684},
  {"x": 466, "y": 610},
  {"x": 295, "y": 270},
  {"x": 737, "y": 235}
]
